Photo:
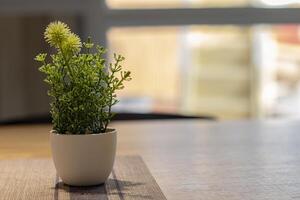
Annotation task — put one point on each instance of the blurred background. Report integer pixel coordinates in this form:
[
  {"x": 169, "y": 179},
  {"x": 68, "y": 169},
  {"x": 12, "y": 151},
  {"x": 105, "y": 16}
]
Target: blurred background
[{"x": 229, "y": 59}]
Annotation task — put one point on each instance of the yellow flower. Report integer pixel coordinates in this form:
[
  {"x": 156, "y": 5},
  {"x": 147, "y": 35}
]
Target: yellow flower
[
  {"x": 56, "y": 33},
  {"x": 72, "y": 43}
]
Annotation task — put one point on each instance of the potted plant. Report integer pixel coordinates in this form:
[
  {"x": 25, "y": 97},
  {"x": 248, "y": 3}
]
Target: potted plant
[{"x": 82, "y": 86}]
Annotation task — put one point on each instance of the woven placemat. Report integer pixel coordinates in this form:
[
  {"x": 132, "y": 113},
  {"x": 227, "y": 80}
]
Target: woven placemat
[{"x": 37, "y": 179}]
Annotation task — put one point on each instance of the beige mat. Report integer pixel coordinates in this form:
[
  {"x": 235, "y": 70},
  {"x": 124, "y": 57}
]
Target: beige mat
[{"x": 36, "y": 179}]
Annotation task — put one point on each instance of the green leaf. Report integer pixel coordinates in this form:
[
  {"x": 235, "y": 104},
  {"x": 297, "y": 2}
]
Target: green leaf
[{"x": 41, "y": 57}]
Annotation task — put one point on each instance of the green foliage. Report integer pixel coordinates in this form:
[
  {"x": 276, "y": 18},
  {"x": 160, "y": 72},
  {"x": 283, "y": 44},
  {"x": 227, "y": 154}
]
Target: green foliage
[{"x": 82, "y": 84}]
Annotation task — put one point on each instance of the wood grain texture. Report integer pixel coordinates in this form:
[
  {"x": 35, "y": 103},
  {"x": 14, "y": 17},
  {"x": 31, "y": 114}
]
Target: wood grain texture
[
  {"x": 33, "y": 179},
  {"x": 192, "y": 159}
]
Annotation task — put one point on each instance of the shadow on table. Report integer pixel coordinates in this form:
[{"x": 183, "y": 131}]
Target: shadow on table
[{"x": 112, "y": 187}]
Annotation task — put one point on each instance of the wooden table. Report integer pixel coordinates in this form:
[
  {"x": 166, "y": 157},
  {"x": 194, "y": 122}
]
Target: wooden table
[{"x": 193, "y": 159}]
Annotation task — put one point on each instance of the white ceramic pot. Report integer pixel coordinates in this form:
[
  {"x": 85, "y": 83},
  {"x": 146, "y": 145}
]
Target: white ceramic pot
[{"x": 83, "y": 160}]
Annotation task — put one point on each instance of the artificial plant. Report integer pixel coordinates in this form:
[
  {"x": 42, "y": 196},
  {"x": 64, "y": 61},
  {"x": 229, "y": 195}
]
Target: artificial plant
[{"x": 82, "y": 85}]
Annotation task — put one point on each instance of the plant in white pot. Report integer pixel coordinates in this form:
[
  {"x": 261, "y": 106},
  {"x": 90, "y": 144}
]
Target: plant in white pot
[{"x": 82, "y": 86}]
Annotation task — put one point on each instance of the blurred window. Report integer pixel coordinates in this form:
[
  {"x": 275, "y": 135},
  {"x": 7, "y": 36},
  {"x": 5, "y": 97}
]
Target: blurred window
[
  {"x": 190, "y": 70},
  {"x": 224, "y": 70},
  {"x": 278, "y": 68}
]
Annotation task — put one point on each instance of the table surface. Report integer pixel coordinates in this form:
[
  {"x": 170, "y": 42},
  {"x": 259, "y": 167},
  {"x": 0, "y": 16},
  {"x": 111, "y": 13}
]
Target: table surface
[{"x": 193, "y": 159}]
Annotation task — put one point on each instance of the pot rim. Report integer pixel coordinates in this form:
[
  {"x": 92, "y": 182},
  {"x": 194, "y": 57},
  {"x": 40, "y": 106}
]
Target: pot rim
[{"x": 110, "y": 131}]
